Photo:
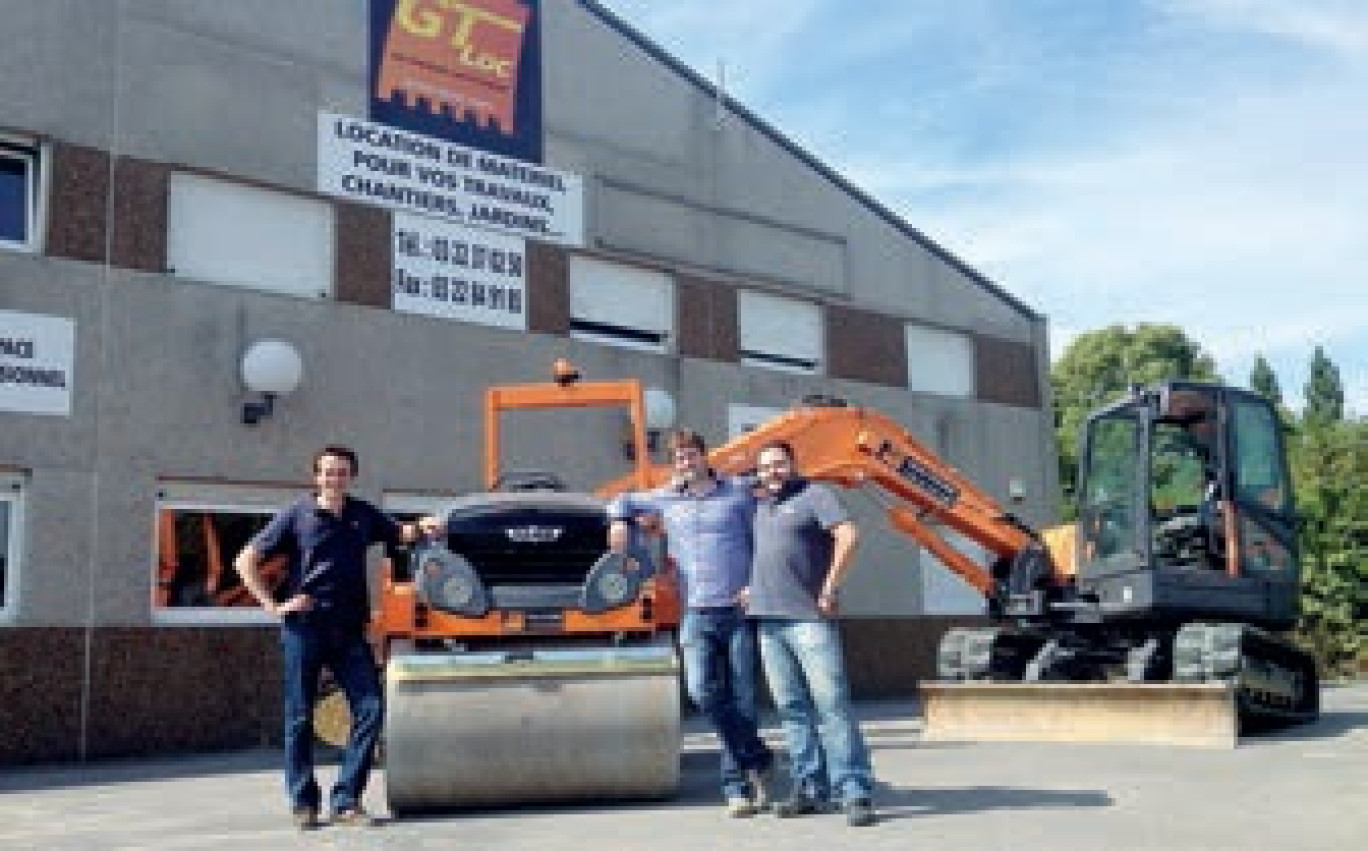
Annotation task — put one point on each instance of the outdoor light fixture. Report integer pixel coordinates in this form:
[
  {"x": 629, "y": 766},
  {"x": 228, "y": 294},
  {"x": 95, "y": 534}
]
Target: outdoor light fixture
[
  {"x": 269, "y": 367},
  {"x": 660, "y": 416}
]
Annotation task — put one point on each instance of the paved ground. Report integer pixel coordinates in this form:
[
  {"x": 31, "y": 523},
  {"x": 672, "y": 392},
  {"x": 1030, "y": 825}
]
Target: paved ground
[{"x": 1302, "y": 789}]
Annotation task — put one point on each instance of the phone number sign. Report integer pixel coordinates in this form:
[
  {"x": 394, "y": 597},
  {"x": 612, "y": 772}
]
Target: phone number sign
[{"x": 461, "y": 273}]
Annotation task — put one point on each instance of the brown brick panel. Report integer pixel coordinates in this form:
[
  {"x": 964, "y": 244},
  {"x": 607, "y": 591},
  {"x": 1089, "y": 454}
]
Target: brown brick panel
[
  {"x": 178, "y": 689},
  {"x": 364, "y": 255},
  {"x": 548, "y": 288},
  {"x": 707, "y": 322},
  {"x": 865, "y": 346},
  {"x": 887, "y": 657},
  {"x": 40, "y": 713},
  {"x": 1006, "y": 372},
  {"x": 77, "y": 204},
  {"x": 141, "y": 190}
]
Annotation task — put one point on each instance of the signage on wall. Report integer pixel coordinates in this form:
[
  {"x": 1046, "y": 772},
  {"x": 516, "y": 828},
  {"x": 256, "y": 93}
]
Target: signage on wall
[
  {"x": 468, "y": 71},
  {"x": 459, "y": 273},
  {"x": 37, "y": 363},
  {"x": 375, "y": 164}
]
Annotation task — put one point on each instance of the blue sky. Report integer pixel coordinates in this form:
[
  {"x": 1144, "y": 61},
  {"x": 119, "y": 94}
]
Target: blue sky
[{"x": 1196, "y": 162}]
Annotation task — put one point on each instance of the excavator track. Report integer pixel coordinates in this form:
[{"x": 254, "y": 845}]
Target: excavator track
[
  {"x": 1227, "y": 679},
  {"x": 1274, "y": 682}
]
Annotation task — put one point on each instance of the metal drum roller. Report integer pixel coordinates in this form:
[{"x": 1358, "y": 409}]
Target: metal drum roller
[{"x": 481, "y": 729}]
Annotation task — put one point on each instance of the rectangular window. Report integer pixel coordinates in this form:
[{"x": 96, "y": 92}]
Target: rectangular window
[
  {"x": 939, "y": 361},
  {"x": 231, "y": 233},
  {"x": 19, "y": 194},
  {"x": 742, "y": 418},
  {"x": 200, "y": 529},
  {"x": 780, "y": 333},
  {"x": 620, "y": 305},
  {"x": 11, "y": 524}
]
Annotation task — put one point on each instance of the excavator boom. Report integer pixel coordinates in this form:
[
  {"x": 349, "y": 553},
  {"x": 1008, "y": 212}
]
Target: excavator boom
[{"x": 922, "y": 496}]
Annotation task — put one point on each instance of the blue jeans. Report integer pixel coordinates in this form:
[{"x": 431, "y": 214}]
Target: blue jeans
[
  {"x": 720, "y": 672},
  {"x": 308, "y": 648},
  {"x": 804, "y": 665}
]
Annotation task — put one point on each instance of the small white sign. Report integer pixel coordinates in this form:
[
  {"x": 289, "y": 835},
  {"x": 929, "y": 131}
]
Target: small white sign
[
  {"x": 393, "y": 168},
  {"x": 453, "y": 272},
  {"x": 37, "y": 363}
]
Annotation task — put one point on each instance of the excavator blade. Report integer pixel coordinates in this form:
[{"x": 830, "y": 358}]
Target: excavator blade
[
  {"x": 483, "y": 729},
  {"x": 1187, "y": 714}
]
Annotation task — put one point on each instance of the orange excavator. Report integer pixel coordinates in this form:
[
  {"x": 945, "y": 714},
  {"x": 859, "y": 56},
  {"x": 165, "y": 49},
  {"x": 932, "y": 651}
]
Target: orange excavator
[{"x": 1159, "y": 611}]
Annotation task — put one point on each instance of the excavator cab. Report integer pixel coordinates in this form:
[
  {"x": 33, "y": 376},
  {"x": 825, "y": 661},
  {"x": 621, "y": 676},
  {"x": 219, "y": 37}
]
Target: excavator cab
[{"x": 1186, "y": 508}]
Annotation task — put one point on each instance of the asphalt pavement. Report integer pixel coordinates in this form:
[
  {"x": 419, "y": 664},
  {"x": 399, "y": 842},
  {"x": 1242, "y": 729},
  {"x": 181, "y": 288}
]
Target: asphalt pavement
[{"x": 1304, "y": 788}]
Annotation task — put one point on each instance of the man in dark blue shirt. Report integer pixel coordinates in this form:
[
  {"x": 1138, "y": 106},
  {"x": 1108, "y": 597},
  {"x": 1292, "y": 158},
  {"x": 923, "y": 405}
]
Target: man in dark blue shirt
[{"x": 323, "y": 622}]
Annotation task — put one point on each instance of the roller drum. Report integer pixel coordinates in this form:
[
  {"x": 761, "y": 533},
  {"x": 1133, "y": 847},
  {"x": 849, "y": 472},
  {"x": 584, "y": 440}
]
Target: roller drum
[{"x": 487, "y": 729}]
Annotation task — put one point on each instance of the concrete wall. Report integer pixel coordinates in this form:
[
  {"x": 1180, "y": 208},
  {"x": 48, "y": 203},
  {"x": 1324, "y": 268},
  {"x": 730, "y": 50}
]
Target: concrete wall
[{"x": 127, "y": 91}]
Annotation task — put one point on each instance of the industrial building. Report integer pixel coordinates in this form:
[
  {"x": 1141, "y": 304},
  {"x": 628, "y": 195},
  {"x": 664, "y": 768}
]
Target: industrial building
[{"x": 181, "y": 182}]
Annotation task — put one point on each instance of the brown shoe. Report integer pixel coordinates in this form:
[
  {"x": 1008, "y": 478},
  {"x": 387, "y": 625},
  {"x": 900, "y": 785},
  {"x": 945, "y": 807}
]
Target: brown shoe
[
  {"x": 306, "y": 818},
  {"x": 353, "y": 817}
]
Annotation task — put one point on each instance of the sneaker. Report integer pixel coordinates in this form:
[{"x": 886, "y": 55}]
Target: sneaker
[
  {"x": 353, "y": 817},
  {"x": 799, "y": 804},
  {"x": 762, "y": 784},
  {"x": 306, "y": 818},
  {"x": 739, "y": 807},
  {"x": 859, "y": 812}
]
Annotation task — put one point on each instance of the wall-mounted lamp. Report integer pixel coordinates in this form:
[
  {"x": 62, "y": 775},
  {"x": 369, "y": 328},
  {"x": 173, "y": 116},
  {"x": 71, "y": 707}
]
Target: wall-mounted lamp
[
  {"x": 269, "y": 367},
  {"x": 660, "y": 417}
]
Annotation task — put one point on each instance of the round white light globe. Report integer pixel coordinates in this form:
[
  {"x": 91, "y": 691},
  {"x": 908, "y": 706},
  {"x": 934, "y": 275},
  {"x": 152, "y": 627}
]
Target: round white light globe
[{"x": 271, "y": 366}]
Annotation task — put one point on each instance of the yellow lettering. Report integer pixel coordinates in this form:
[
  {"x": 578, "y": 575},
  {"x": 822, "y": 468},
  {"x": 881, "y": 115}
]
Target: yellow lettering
[
  {"x": 468, "y": 16},
  {"x": 420, "y": 22}
]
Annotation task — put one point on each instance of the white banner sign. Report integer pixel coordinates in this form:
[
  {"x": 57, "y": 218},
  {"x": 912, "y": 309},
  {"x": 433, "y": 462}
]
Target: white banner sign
[
  {"x": 37, "y": 363},
  {"x": 382, "y": 165},
  {"x": 442, "y": 269}
]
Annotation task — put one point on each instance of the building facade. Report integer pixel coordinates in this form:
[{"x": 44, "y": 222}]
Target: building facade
[{"x": 182, "y": 180}]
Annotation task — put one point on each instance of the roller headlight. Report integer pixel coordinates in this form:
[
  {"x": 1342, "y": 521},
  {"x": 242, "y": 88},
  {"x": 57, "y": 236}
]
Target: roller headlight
[
  {"x": 614, "y": 580},
  {"x": 448, "y": 583}
]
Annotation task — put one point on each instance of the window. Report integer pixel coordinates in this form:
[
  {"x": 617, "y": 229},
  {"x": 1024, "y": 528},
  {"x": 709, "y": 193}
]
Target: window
[
  {"x": 780, "y": 333},
  {"x": 742, "y": 418},
  {"x": 620, "y": 305},
  {"x": 18, "y": 195},
  {"x": 229, "y": 233},
  {"x": 1110, "y": 474},
  {"x": 939, "y": 361},
  {"x": 11, "y": 524},
  {"x": 200, "y": 529}
]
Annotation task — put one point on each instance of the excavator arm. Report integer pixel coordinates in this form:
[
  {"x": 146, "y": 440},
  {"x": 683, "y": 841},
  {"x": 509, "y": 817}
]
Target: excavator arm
[{"x": 923, "y": 496}]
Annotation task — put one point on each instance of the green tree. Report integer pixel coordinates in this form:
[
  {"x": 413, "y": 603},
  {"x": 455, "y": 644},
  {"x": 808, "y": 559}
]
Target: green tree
[
  {"x": 1099, "y": 366},
  {"x": 1324, "y": 392},
  {"x": 1330, "y": 468},
  {"x": 1263, "y": 381}
]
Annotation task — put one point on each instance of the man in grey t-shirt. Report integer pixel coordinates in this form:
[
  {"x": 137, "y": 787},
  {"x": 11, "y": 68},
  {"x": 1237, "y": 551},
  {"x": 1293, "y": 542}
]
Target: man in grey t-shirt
[{"x": 803, "y": 543}]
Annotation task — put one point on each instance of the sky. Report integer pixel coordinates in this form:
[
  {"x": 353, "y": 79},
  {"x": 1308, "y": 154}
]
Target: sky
[{"x": 1200, "y": 163}]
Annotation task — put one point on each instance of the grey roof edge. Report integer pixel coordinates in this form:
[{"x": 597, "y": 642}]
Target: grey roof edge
[{"x": 661, "y": 55}]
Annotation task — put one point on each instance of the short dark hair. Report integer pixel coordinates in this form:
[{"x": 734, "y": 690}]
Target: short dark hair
[
  {"x": 782, "y": 445},
  {"x": 337, "y": 450},
  {"x": 685, "y": 438}
]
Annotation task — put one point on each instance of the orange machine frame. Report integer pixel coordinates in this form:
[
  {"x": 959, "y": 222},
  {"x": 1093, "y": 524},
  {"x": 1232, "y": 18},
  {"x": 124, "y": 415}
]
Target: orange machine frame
[{"x": 399, "y": 615}]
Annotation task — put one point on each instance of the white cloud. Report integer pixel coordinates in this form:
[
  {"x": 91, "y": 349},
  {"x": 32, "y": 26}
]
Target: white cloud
[
  {"x": 1206, "y": 169},
  {"x": 1339, "y": 25}
]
